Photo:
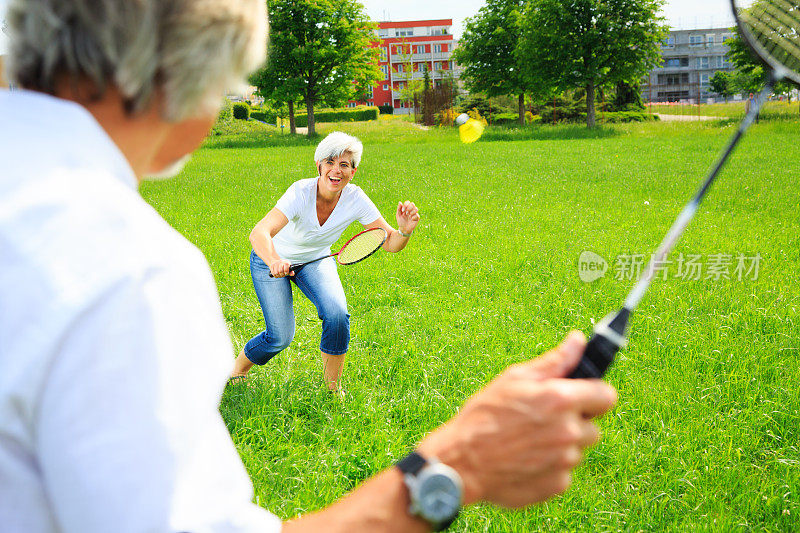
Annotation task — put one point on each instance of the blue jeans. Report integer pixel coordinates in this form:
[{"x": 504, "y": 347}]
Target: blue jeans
[{"x": 320, "y": 283}]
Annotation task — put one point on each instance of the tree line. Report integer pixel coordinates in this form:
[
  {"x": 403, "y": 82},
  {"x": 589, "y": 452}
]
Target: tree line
[{"x": 324, "y": 52}]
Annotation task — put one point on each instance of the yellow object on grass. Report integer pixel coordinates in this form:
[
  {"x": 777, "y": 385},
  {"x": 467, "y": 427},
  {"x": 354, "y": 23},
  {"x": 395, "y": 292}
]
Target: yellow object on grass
[{"x": 469, "y": 129}]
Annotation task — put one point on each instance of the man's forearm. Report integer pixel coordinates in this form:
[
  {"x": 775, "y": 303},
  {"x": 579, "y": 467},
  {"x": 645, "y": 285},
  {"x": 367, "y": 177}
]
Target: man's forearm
[{"x": 380, "y": 504}]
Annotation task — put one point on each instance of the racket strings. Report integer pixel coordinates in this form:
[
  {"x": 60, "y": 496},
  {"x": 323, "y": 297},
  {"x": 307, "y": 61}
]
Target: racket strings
[
  {"x": 775, "y": 24},
  {"x": 361, "y": 246}
]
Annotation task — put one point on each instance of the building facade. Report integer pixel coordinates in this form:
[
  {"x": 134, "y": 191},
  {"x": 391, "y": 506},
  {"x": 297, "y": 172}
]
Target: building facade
[
  {"x": 407, "y": 50},
  {"x": 690, "y": 59}
]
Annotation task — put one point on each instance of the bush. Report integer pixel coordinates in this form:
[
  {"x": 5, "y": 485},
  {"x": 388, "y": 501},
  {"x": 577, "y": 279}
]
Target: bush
[
  {"x": 264, "y": 115},
  {"x": 357, "y": 114},
  {"x": 626, "y": 116},
  {"x": 241, "y": 111},
  {"x": 474, "y": 113},
  {"x": 386, "y": 109},
  {"x": 505, "y": 119},
  {"x": 446, "y": 117}
]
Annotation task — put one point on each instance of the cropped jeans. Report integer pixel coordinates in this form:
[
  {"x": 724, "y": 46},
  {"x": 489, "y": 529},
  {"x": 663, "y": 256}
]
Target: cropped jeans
[{"x": 320, "y": 283}]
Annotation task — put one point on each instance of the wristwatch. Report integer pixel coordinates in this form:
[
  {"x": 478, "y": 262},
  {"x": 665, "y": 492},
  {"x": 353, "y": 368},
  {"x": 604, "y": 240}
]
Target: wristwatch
[{"x": 435, "y": 490}]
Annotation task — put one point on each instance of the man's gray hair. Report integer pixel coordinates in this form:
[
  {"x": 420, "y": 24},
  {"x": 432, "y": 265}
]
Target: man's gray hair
[
  {"x": 191, "y": 51},
  {"x": 337, "y": 143}
]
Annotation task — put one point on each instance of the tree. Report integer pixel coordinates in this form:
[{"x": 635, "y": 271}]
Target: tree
[
  {"x": 722, "y": 83},
  {"x": 587, "y": 44},
  {"x": 320, "y": 52},
  {"x": 486, "y": 52}
]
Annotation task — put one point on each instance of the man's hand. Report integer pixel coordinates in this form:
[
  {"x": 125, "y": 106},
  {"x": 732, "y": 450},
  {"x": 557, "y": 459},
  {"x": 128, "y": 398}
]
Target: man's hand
[
  {"x": 280, "y": 269},
  {"x": 516, "y": 442}
]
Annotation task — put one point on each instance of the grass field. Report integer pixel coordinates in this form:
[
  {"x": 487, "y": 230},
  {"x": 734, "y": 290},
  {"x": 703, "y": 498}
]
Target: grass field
[
  {"x": 707, "y": 429},
  {"x": 781, "y": 110}
]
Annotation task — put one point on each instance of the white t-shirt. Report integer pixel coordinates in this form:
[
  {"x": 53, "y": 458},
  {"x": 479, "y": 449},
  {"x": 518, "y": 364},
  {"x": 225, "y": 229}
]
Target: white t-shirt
[
  {"x": 303, "y": 239},
  {"x": 113, "y": 348}
]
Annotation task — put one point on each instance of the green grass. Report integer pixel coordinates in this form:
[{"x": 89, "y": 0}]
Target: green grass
[
  {"x": 772, "y": 110},
  {"x": 706, "y": 432}
]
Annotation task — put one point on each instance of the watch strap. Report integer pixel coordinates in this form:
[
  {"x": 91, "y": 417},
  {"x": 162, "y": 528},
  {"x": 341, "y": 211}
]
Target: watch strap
[{"x": 411, "y": 463}]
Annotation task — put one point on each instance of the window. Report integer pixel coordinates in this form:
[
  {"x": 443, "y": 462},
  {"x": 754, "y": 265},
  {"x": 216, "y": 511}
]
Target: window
[
  {"x": 695, "y": 40},
  {"x": 385, "y": 86},
  {"x": 437, "y": 65},
  {"x": 401, "y": 68},
  {"x": 726, "y": 36},
  {"x": 405, "y": 32},
  {"x": 422, "y": 67},
  {"x": 669, "y": 42},
  {"x": 371, "y": 93},
  {"x": 385, "y": 71},
  {"x": 702, "y": 62},
  {"x": 704, "y": 80},
  {"x": 673, "y": 79},
  {"x": 439, "y": 31},
  {"x": 384, "y": 54},
  {"x": 383, "y": 33},
  {"x": 672, "y": 62},
  {"x": 420, "y": 49},
  {"x": 710, "y": 38},
  {"x": 437, "y": 48}
]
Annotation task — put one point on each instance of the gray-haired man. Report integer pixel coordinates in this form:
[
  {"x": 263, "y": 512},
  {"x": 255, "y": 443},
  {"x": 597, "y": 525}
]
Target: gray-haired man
[{"x": 113, "y": 349}]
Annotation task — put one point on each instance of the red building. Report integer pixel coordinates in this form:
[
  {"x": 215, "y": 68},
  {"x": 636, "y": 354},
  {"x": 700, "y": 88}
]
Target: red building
[{"x": 407, "y": 50}]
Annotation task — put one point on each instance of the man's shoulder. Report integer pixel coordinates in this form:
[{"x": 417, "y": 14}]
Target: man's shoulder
[{"x": 79, "y": 232}]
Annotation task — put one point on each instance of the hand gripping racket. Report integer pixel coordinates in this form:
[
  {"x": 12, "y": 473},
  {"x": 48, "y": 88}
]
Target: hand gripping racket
[
  {"x": 771, "y": 29},
  {"x": 358, "y": 248}
]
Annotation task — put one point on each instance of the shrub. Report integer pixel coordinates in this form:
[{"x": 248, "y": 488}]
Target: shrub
[
  {"x": 474, "y": 113},
  {"x": 357, "y": 114},
  {"x": 626, "y": 116},
  {"x": 505, "y": 119},
  {"x": 446, "y": 117},
  {"x": 264, "y": 115},
  {"x": 386, "y": 109},
  {"x": 241, "y": 111}
]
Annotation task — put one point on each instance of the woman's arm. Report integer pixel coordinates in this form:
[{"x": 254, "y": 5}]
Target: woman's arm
[
  {"x": 261, "y": 239},
  {"x": 407, "y": 219}
]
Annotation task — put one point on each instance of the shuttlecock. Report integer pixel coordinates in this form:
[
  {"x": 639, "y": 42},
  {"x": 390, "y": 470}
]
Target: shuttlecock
[{"x": 469, "y": 129}]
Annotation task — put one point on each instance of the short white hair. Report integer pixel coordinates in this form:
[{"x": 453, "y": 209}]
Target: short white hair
[
  {"x": 191, "y": 51},
  {"x": 336, "y": 144}
]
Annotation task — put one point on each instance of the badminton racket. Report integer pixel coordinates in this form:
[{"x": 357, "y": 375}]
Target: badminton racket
[
  {"x": 771, "y": 30},
  {"x": 358, "y": 248}
]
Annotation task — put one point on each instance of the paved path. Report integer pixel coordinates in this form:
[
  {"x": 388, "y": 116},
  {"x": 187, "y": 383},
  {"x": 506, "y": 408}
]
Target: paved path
[{"x": 686, "y": 118}]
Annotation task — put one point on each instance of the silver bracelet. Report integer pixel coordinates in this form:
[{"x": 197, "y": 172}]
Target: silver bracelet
[{"x": 403, "y": 233}]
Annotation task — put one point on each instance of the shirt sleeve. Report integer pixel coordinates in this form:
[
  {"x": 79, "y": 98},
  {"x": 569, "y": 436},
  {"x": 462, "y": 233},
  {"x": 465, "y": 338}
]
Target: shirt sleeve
[
  {"x": 290, "y": 203},
  {"x": 128, "y": 431},
  {"x": 366, "y": 212}
]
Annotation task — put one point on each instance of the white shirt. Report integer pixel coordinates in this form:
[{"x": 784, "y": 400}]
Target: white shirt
[
  {"x": 303, "y": 239},
  {"x": 113, "y": 349}
]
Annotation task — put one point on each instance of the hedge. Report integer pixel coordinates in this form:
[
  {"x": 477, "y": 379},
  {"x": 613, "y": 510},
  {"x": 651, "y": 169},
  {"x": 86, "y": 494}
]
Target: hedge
[
  {"x": 339, "y": 115},
  {"x": 241, "y": 111}
]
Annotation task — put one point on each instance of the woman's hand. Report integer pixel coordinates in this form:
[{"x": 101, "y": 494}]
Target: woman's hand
[
  {"x": 280, "y": 269},
  {"x": 407, "y": 216}
]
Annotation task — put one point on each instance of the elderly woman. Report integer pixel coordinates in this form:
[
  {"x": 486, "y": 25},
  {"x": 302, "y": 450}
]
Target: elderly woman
[{"x": 305, "y": 222}]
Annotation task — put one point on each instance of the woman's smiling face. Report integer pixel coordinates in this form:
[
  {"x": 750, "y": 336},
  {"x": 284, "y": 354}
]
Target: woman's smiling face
[{"x": 335, "y": 173}]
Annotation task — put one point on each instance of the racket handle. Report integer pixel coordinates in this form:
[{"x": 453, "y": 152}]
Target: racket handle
[
  {"x": 293, "y": 268},
  {"x": 608, "y": 338}
]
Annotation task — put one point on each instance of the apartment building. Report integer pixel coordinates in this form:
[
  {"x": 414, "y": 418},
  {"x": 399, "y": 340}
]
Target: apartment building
[
  {"x": 407, "y": 50},
  {"x": 690, "y": 59}
]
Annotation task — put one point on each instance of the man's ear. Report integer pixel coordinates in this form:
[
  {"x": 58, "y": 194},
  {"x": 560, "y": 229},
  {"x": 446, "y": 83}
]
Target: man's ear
[
  {"x": 355, "y": 169},
  {"x": 319, "y": 169},
  {"x": 184, "y": 138}
]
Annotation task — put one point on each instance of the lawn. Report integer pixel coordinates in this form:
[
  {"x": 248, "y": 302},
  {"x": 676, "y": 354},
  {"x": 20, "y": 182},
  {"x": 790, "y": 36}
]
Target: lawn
[
  {"x": 773, "y": 109},
  {"x": 707, "y": 429}
]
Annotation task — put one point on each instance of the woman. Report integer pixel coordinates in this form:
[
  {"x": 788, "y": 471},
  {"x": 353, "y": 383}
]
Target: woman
[{"x": 305, "y": 222}]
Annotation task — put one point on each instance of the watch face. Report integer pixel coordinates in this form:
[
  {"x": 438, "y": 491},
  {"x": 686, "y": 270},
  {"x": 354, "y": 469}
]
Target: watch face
[{"x": 440, "y": 498}]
